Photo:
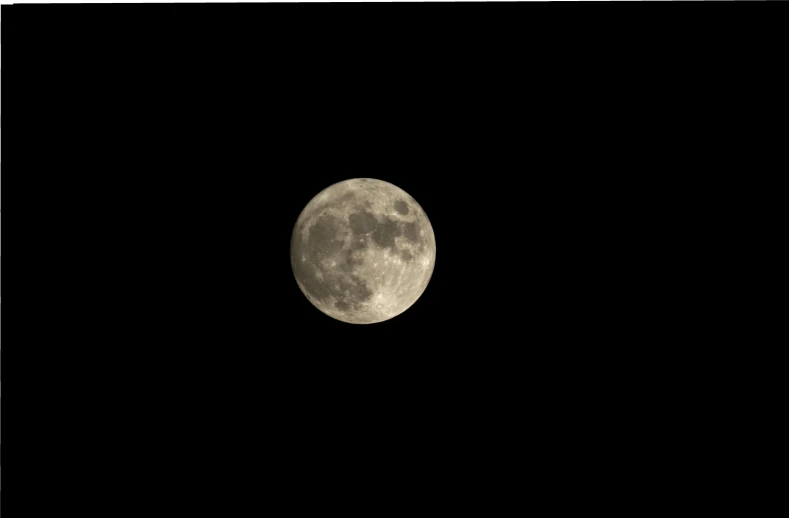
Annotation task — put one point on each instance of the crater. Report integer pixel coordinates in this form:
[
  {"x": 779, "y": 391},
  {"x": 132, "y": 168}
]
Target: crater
[{"x": 401, "y": 207}]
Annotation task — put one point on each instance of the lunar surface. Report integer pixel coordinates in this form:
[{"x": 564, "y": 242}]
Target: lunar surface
[{"x": 363, "y": 251}]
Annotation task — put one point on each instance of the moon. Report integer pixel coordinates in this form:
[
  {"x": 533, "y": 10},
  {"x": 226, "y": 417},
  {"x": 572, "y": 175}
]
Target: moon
[{"x": 363, "y": 251}]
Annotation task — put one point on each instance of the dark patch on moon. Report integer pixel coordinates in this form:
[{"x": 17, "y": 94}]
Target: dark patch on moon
[
  {"x": 401, "y": 207},
  {"x": 349, "y": 263},
  {"x": 406, "y": 255},
  {"x": 356, "y": 288},
  {"x": 325, "y": 239},
  {"x": 385, "y": 233},
  {"x": 311, "y": 284},
  {"x": 361, "y": 222},
  {"x": 338, "y": 282},
  {"x": 411, "y": 231},
  {"x": 382, "y": 232},
  {"x": 322, "y": 239}
]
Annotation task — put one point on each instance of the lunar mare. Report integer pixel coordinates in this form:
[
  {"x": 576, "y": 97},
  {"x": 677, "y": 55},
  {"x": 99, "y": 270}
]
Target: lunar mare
[{"x": 363, "y": 251}]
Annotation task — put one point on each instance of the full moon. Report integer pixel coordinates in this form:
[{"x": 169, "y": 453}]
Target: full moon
[{"x": 363, "y": 251}]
